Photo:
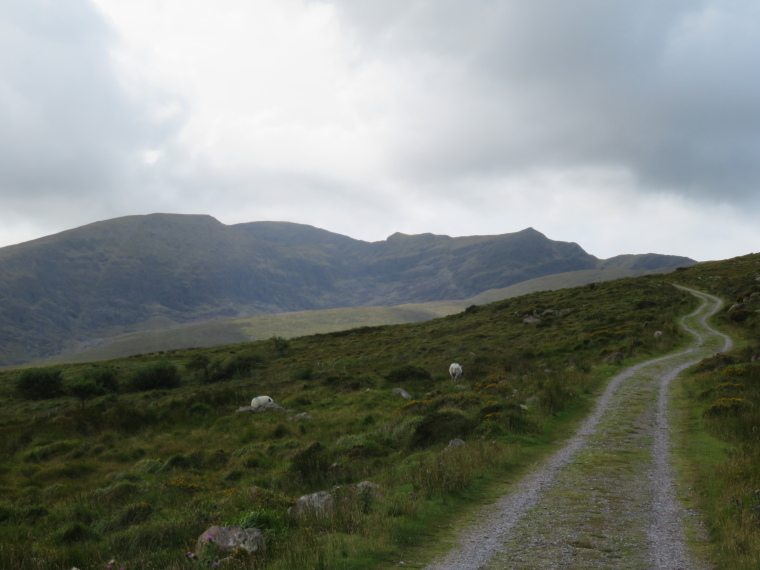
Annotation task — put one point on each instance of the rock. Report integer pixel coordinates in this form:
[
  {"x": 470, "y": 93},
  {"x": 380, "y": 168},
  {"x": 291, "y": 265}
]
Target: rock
[
  {"x": 530, "y": 320},
  {"x": 299, "y": 417},
  {"x": 454, "y": 444},
  {"x": 657, "y": 334},
  {"x": 403, "y": 393},
  {"x": 321, "y": 504},
  {"x": 260, "y": 409},
  {"x": 369, "y": 487},
  {"x": 229, "y": 538},
  {"x": 614, "y": 358}
]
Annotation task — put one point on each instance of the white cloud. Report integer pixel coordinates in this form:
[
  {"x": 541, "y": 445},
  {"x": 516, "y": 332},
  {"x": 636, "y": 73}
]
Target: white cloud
[{"x": 622, "y": 126}]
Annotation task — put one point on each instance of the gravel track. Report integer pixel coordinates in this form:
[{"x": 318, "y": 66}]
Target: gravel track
[{"x": 608, "y": 497}]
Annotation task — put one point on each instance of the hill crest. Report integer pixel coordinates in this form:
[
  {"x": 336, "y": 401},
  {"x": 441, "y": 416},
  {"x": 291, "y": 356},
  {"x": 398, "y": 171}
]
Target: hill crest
[{"x": 159, "y": 270}]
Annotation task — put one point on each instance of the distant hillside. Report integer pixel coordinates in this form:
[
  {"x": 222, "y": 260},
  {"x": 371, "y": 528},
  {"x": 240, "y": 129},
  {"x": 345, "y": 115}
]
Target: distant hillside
[
  {"x": 149, "y": 273},
  {"x": 218, "y": 332}
]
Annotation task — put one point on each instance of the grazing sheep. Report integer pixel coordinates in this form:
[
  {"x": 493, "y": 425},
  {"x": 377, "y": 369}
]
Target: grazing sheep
[
  {"x": 455, "y": 371},
  {"x": 261, "y": 402}
]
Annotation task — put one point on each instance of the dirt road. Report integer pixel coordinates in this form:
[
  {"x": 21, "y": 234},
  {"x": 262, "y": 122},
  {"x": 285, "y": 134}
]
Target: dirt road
[{"x": 607, "y": 499}]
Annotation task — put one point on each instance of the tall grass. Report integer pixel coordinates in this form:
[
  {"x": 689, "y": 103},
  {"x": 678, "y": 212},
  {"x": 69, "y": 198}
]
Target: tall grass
[
  {"x": 138, "y": 475},
  {"x": 722, "y": 396}
]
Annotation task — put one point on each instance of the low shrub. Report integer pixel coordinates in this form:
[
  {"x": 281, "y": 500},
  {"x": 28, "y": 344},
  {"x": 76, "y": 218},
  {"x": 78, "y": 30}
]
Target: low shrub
[
  {"x": 408, "y": 373},
  {"x": 104, "y": 376},
  {"x": 727, "y": 407},
  {"x": 84, "y": 389},
  {"x": 442, "y": 426},
  {"x": 78, "y": 532},
  {"x": 40, "y": 383},
  {"x": 154, "y": 376}
]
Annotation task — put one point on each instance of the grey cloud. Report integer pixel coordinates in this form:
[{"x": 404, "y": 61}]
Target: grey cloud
[
  {"x": 668, "y": 91},
  {"x": 68, "y": 129}
]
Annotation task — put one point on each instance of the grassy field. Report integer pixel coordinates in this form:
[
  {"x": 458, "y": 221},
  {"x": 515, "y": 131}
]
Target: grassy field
[
  {"x": 131, "y": 459},
  {"x": 289, "y": 325}
]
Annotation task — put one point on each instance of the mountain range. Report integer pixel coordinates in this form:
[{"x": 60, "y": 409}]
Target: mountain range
[{"x": 153, "y": 272}]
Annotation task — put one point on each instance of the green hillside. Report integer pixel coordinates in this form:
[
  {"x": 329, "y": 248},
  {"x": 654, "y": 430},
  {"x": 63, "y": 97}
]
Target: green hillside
[
  {"x": 132, "y": 459},
  {"x": 288, "y": 325},
  {"x": 147, "y": 273}
]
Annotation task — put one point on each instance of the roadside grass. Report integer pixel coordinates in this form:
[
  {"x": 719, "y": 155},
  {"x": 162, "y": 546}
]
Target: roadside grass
[
  {"x": 136, "y": 475},
  {"x": 717, "y": 425}
]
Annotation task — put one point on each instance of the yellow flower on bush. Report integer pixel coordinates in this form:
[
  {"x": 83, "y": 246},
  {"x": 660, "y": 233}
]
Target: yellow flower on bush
[
  {"x": 727, "y": 407},
  {"x": 183, "y": 484}
]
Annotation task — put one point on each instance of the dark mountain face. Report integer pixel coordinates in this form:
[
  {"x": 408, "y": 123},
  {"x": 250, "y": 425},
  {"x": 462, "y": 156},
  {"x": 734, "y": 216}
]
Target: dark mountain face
[{"x": 142, "y": 272}]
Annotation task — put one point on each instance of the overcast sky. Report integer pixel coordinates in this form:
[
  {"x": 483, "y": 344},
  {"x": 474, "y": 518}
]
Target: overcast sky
[{"x": 627, "y": 127}]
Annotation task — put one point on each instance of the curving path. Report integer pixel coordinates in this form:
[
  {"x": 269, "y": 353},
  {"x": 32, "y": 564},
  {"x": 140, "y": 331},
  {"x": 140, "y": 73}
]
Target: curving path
[{"x": 608, "y": 498}]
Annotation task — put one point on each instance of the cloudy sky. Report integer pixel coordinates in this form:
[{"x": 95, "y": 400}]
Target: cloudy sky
[{"x": 627, "y": 127}]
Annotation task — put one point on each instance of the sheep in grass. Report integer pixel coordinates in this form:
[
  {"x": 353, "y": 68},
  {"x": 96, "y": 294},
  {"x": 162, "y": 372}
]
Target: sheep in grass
[
  {"x": 261, "y": 402},
  {"x": 455, "y": 370}
]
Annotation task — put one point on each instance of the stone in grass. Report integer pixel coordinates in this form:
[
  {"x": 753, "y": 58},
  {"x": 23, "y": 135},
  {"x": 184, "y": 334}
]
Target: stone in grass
[
  {"x": 369, "y": 488},
  {"x": 260, "y": 409},
  {"x": 614, "y": 358},
  {"x": 229, "y": 538},
  {"x": 454, "y": 444},
  {"x": 401, "y": 392},
  {"x": 321, "y": 504},
  {"x": 301, "y": 416}
]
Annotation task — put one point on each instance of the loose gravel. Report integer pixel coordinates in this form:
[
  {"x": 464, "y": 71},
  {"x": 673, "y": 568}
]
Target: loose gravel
[{"x": 608, "y": 497}]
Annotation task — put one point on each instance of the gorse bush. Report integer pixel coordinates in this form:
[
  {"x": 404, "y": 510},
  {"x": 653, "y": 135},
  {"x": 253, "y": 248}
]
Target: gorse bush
[
  {"x": 242, "y": 364},
  {"x": 84, "y": 390},
  {"x": 156, "y": 375},
  {"x": 104, "y": 376},
  {"x": 442, "y": 426},
  {"x": 40, "y": 383},
  {"x": 218, "y": 370},
  {"x": 407, "y": 374}
]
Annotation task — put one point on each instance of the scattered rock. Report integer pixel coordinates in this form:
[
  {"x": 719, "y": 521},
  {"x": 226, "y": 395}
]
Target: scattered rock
[
  {"x": 320, "y": 504},
  {"x": 368, "y": 487},
  {"x": 657, "y": 334},
  {"x": 301, "y": 416},
  {"x": 403, "y": 393},
  {"x": 614, "y": 358},
  {"x": 230, "y": 538},
  {"x": 454, "y": 444},
  {"x": 530, "y": 320},
  {"x": 260, "y": 409}
]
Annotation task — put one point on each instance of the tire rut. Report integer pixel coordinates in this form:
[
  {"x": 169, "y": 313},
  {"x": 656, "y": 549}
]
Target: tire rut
[{"x": 608, "y": 497}]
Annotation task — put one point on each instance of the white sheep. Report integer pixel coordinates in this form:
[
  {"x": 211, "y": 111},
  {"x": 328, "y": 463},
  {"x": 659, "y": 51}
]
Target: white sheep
[
  {"x": 455, "y": 371},
  {"x": 261, "y": 402}
]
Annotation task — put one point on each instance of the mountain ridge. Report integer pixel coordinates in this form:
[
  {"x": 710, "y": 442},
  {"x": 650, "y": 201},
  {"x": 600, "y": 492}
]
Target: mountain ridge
[{"x": 158, "y": 270}]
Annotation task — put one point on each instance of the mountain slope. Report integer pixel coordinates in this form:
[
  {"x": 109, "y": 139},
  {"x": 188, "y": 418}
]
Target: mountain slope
[{"x": 156, "y": 271}]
